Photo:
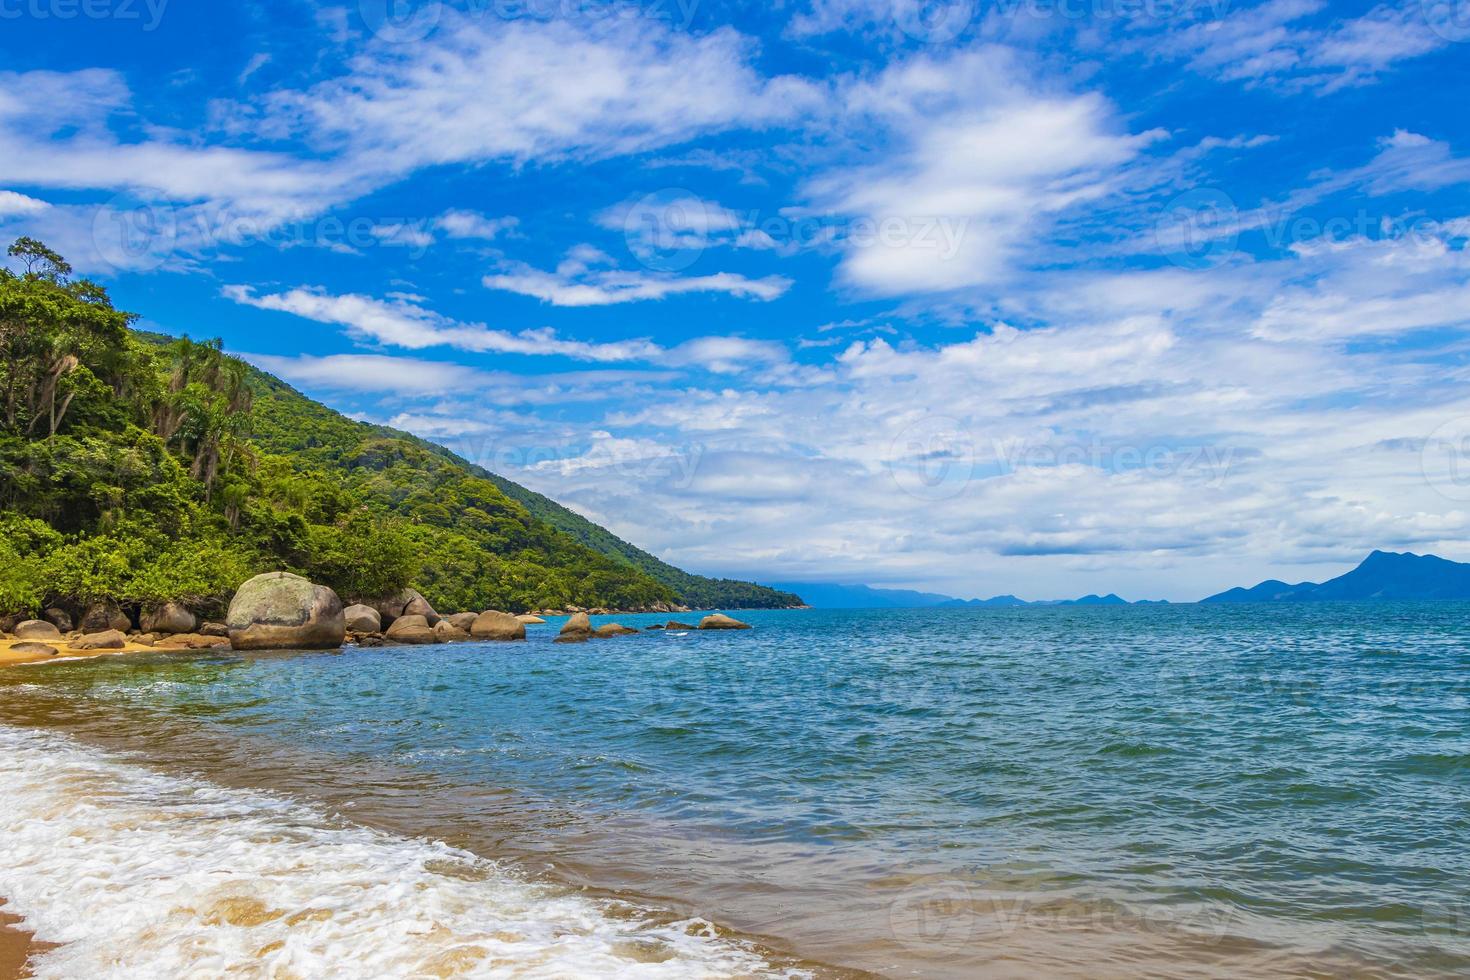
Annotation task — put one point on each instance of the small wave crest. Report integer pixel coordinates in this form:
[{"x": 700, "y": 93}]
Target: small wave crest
[{"x": 140, "y": 874}]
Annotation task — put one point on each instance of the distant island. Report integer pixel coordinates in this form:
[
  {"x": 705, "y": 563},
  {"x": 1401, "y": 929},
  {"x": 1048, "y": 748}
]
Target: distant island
[
  {"x": 1383, "y": 575},
  {"x": 832, "y": 595}
]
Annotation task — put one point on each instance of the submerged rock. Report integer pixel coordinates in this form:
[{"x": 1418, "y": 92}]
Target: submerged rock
[
  {"x": 362, "y": 619},
  {"x": 171, "y": 617},
  {"x": 281, "y": 611},
  {"x": 36, "y": 629},
  {"x": 611, "y": 630},
  {"x": 410, "y": 629},
  {"x": 579, "y": 627},
  {"x": 719, "y": 620},
  {"x": 674, "y": 624},
  {"x": 492, "y": 625}
]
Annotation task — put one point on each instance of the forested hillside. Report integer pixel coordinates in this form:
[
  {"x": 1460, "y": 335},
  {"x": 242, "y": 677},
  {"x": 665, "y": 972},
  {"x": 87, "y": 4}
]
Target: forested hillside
[{"x": 141, "y": 468}]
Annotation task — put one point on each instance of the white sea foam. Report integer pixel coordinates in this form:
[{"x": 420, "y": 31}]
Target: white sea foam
[{"x": 141, "y": 874}]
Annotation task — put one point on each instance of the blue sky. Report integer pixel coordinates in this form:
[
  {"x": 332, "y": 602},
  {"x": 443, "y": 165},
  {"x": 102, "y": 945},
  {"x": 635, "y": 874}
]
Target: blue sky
[{"x": 1038, "y": 297}]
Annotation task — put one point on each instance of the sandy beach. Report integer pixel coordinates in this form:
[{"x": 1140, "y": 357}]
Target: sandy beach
[{"x": 9, "y": 656}]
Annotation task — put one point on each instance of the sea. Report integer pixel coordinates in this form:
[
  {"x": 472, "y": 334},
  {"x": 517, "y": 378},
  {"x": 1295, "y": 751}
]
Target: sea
[{"x": 1181, "y": 791}]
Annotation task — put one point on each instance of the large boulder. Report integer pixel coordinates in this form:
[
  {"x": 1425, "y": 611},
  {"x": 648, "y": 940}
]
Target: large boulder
[
  {"x": 103, "y": 640},
  {"x": 674, "y": 624},
  {"x": 36, "y": 629},
  {"x": 100, "y": 617},
  {"x": 578, "y": 629},
  {"x": 530, "y": 620},
  {"x": 186, "y": 641},
  {"x": 59, "y": 618},
  {"x": 719, "y": 621},
  {"x": 171, "y": 617},
  {"x": 281, "y": 611},
  {"x": 492, "y": 625},
  {"x": 410, "y": 629},
  {"x": 462, "y": 621},
  {"x": 447, "y": 632},
  {"x": 32, "y": 649},
  {"x": 362, "y": 619},
  {"x": 405, "y": 602}
]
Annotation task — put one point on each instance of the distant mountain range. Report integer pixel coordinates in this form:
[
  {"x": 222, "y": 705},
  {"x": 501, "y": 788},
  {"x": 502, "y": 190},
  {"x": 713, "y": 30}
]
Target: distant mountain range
[
  {"x": 1382, "y": 575},
  {"x": 832, "y": 595}
]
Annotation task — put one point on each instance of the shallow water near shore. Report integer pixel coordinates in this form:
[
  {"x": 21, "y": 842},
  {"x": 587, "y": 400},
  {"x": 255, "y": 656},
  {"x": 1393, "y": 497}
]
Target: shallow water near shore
[{"x": 1196, "y": 791}]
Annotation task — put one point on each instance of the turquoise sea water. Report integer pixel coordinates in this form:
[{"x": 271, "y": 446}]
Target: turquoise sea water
[{"x": 1192, "y": 790}]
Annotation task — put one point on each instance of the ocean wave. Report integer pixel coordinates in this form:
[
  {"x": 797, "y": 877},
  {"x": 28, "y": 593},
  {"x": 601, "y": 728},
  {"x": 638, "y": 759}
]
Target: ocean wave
[{"x": 141, "y": 874}]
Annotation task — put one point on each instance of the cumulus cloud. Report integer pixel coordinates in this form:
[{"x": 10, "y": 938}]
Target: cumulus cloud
[
  {"x": 19, "y": 205},
  {"x": 978, "y": 158}
]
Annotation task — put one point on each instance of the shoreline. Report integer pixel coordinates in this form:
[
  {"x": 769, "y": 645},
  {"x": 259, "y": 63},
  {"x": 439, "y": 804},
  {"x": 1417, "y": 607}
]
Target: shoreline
[{"x": 485, "y": 910}]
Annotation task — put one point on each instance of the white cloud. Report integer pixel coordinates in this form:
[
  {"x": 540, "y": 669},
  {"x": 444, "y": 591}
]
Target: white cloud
[
  {"x": 1276, "y": 43},
  {"x": 402, "y": 322},
  {"x": 581, "y": 280},
  {"x": 565, "y": 88},
  {"x": 1362, "y": 287},
  {"x": 978, "y": 159},
  {"x": 560, "y": 88},
  {"x": 14, "y": 205},
  {"x": 472, "y": 224}
]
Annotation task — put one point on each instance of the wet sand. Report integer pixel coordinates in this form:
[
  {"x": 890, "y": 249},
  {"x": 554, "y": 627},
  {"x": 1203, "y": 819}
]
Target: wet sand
[
  {"x": 64, "y": 651},
  {"x": 16, "y": 947}
]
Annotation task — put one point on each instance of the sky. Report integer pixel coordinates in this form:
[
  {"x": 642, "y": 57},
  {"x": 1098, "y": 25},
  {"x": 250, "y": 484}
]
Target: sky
[{"x": 1042, "y": 297}]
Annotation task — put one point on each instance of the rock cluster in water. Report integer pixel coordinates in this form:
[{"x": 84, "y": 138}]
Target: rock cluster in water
[{"x": 284, "y": 611}]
